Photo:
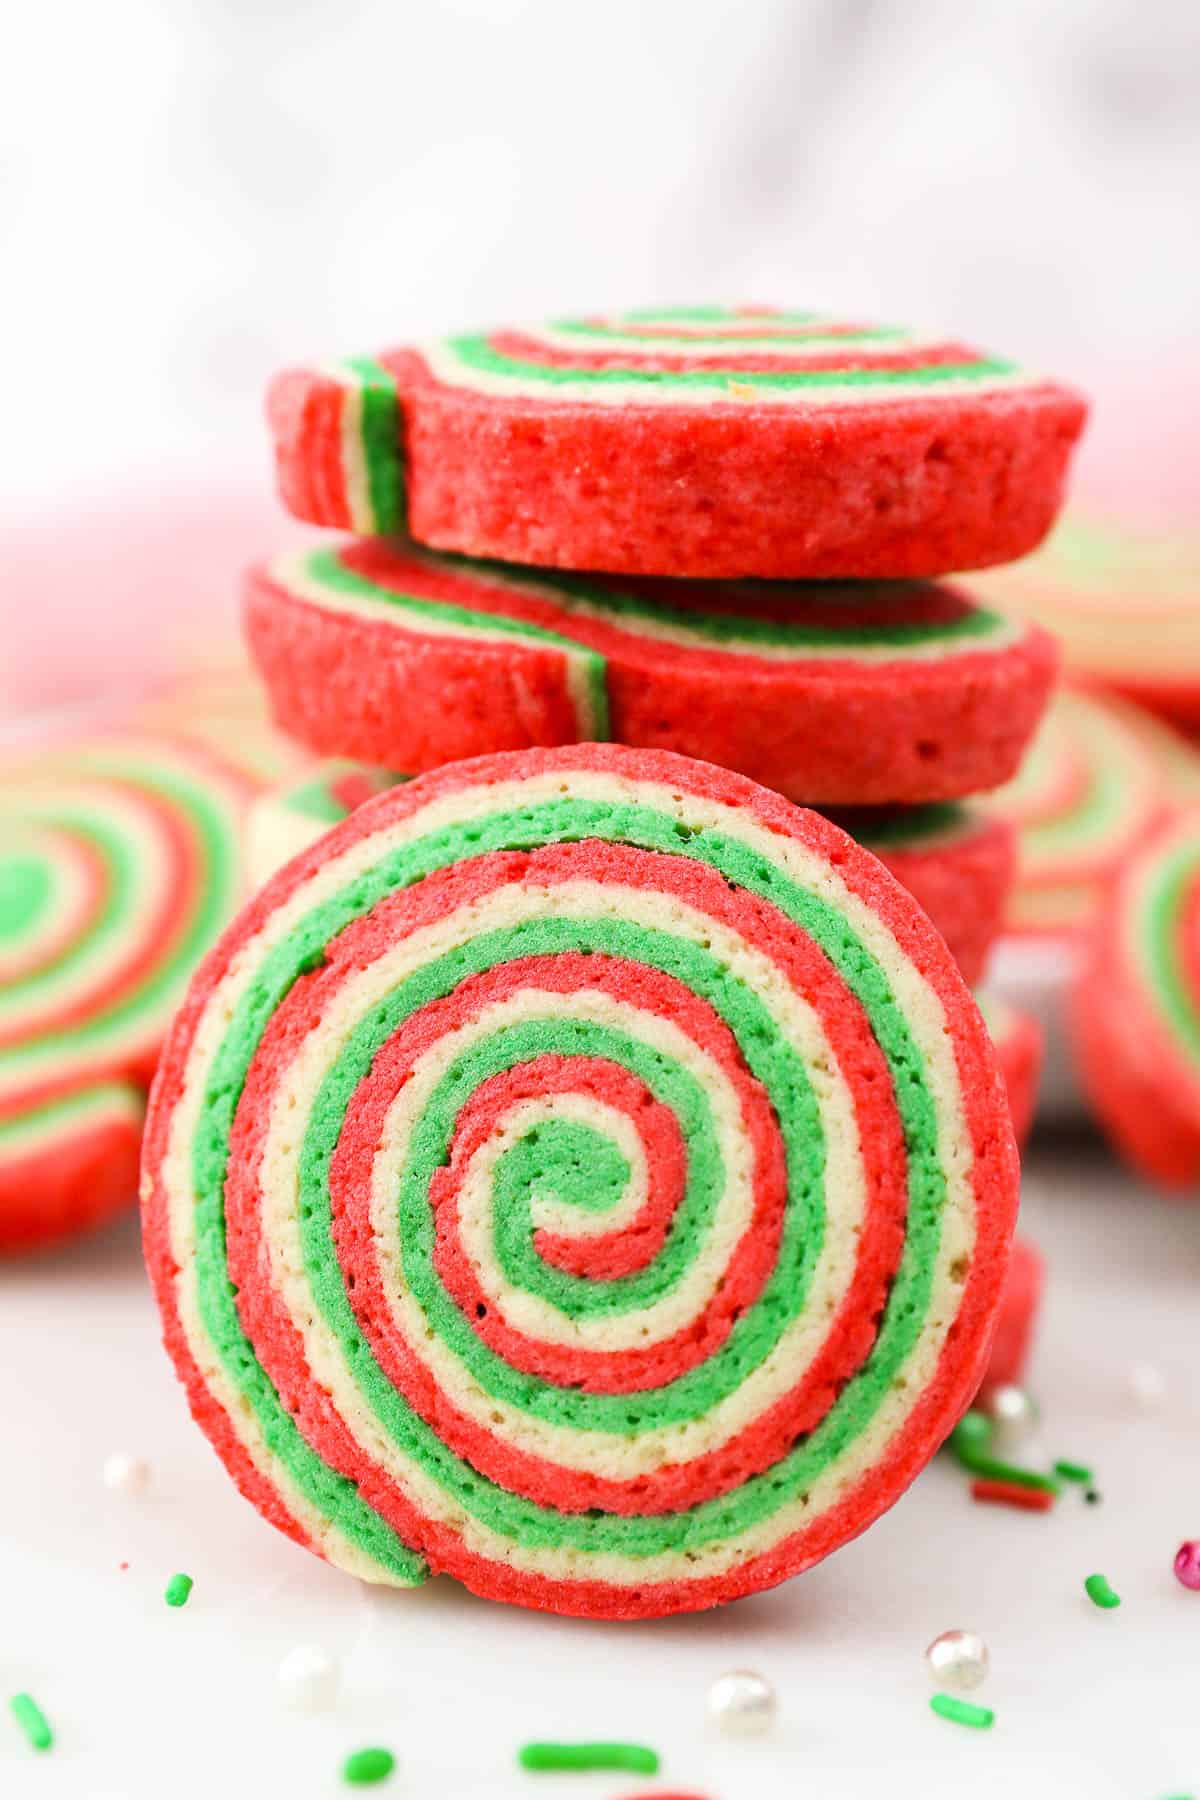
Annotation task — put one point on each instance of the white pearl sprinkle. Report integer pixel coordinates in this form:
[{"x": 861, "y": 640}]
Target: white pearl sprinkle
[
  {"x": 308, "y": 1679},
  {"x": 742, "y": 1703},
  {"x": 958, "y": 1659},
  {"x": 126, "y": 1474},
  {"x": 1013, "y": 1417},
  {"x": 1147, "y": 1385}
]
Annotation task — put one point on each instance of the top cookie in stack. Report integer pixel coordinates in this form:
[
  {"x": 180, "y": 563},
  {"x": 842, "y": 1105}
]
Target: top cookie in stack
[{"x": 702, "y": 442}]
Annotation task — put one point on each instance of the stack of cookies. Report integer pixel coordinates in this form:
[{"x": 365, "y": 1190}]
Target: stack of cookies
[
  {"x": 582, "y": 1170},
  {"x": 768, "y": 495}
]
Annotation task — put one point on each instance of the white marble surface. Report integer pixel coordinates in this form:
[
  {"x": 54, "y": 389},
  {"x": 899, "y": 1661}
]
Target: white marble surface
[
  {"x": 148, "y": 1701},
  {"x": 192, "y": 193}
]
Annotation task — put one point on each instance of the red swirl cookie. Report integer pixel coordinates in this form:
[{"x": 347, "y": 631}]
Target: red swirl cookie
[
  {"x": 706, "y": 442},
  {"x": 119, "y": 864},
  {"x": 840, "y": 695},
  {"x": 1136, "y": 1013},
  {"x": 584, "y": 1174}
]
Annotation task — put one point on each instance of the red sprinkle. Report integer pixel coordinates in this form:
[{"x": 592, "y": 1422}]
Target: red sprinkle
[
  {"x": 122, "y": 1565},
  {"x": 1008, "y": 1493},
  {"x": 656, "y": 1795}
]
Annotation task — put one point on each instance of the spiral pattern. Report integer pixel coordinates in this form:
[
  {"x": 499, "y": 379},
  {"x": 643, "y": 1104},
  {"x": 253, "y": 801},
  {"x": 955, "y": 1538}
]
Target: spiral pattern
[
  {"x": 585, "y": 1174},
  {"x": 1137, "y": 1008},
  {"x": 840, "y": 693},
  {"x": 119, "y": 864},
  {"x": 1092, "y": 785}
]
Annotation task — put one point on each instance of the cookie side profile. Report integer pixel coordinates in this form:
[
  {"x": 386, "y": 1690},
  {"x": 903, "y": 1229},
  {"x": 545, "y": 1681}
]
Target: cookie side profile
[
  {"x": 838, "y": 695},
  {"x": 1136, "y": 1009},
  {"x": 701, "y": 442},
  {"x": 582, "y": 1173}
]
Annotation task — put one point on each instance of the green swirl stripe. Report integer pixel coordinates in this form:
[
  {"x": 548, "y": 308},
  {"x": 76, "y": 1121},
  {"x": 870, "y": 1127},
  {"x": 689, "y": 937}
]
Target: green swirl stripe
[
  {"x": 710, "y": 629},
  {"x": 565, "y": 820},
  {"x": 27, "y": 893},
  {"x": 380, "y": 439},
  {"x": 480, "y": 355},
  {"x": 1159, "y": 936}
]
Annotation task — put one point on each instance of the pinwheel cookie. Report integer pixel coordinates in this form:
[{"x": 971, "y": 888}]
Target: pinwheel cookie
[
  {"x": 582, "y": 1173},
  {"x": 1137, "y": 1008},
  {"x": 119, "y": 864},
  {"x": 1091, "y": 787},
  {"x": 706, "y": 441},
  {"x": 838, "y": 695},
  {"x": 1125, "y": 603}
]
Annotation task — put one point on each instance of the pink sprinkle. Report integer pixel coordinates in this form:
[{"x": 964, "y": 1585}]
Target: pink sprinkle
[
  {"x": 1187, "y": 1563},
  {"x": 122, "y": 1565}
]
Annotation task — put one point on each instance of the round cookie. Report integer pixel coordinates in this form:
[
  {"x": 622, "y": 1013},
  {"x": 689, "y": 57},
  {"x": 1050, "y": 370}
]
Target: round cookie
[
  {"x": 1136, "y": 1012},
  {"x": 119, "y": 865},
  {"x": 1091, "y": 786},
  {"x": 705, "y": 442},
  {"x": 1125, "y": 604},
  {"x": 68, "y": 1163},
  {"x": 1017, "y": 1319},
  {"x": 1019, "y": 1049},
  {"x": 582, "y": 1173},
  {"x": 287, "y": 820},
  {"x": 843, "y": 695},
  {"x": 956, "y": 862}
]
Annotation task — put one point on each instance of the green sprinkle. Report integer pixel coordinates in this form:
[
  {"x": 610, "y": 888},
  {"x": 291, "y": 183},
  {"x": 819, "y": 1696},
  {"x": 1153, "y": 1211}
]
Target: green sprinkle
[
  {"x": 366, "y": 1766},
  {"x": 32, "y": 1720},
  {"x": 636, "y": 1759},
  {"x": 971, "y": 1440},
  {"x": 1073, "y": 1471},
  {"x": 178, "y": 1589},
  {"x": 1099, "y": 1592},
  {"x": 947, "y": 1706}
]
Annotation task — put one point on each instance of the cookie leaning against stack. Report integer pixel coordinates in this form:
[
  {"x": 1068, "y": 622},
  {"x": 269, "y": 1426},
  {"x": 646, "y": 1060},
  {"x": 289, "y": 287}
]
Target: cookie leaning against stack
[{"x": 583, "y": 1171}]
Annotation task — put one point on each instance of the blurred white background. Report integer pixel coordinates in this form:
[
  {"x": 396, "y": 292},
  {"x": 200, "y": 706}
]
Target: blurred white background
[{"x": 194, "y": 191}]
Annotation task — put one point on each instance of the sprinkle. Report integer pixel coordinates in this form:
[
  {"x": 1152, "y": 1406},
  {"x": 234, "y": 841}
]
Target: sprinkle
[
  {"x": 1092, "y": 1497},
  {"x": 178, "y": 1589},
  {"x": 362, "y": 1767},
  {"x": 1100, "y": 1594},
  {"x": 970, "y": 1441},
  {"x": 32, "y": 1720},
  {"x": 634, "y": 1757},
  {"x": 308, "y": 1679},
  {"x": 963, "y": 1712},
  {"x": 1011, "y": 1493},
  {"x": 1073, "y": 1471},
  {"x": 1187, "y": 1564}
]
